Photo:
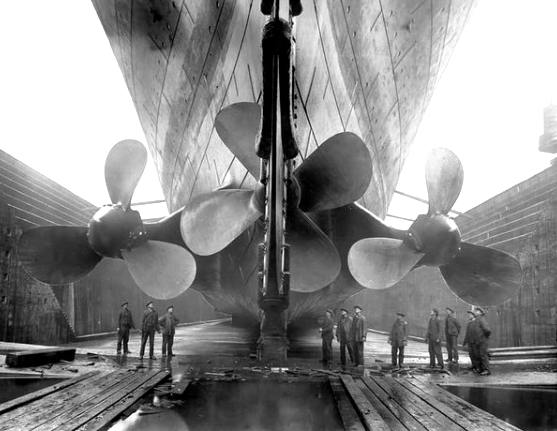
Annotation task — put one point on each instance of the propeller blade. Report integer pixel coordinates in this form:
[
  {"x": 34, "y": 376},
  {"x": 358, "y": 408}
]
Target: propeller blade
[
  {"x": 213, "y": 220},
  {"x": 314, "y": 260},
  {"x": 336, "y": 174},
  {"x": 238, "y": 125},
  {"x": 57, "y": 254},
  {"x": 122, "y": 170},
  {"x": 379, "y": 263},
  {"x": 162, "y": 270},
  {"x": 482, "y": 275},
  {"x": 444, "y": 176}
]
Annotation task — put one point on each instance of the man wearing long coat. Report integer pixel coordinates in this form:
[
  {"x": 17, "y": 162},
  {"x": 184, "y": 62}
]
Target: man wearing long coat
[
  {"x": 481, "y": 335},
  {"x": 470, "y": 342},
  {"x": 398, "y": 339},
  {"x": 125, "y": 323},
  {"x": 452, "y": 329},
  {"x": 168, "y": 324},
  {"x": 343, "y": 335},
  {"x": 327, "y": 335},
  {"x": 149, "y": 325},
  {"x": 358, "y": 333},
  {"x": 433, "y": 339}
]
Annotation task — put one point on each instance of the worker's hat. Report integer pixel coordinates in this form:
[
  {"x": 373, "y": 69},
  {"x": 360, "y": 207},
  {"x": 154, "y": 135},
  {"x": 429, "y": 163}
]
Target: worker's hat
[
  {"x": 149, "y": 303},
  {"x": 169, "y": 307},
  {"x": 401, "y": 314},
  {"x": 124, "y": 303},
  {"x": 344, "y": 309},
  {"x": 329, "y": 311},
  {"x": 480, "y": 310},
  {"x": 357, "y": 306},
  {"x": 450, "y": 309},
  {"x": 471, "y": 312}
]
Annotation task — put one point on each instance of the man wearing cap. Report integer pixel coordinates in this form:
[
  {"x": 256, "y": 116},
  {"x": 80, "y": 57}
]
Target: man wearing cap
[
  {"x": 125, "y": 323},
  {"x": 343, "y": 335},
  {"x": 470, "y": 342},
  {"x": 433, "y": 339},
  {"x": 168, "y": 323},
  {"x": 149, "y": 325},
  {"x": 482, "y": 334},
  {"x": 398, "y": 339},
  {"x": 358, "y": 333},
  {"x": 452, "y": 329},
  {"x": 327, "y": 336}
]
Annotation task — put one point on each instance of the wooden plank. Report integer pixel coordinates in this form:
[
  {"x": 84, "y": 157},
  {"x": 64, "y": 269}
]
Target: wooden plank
[
  {"x": 101, "y": 420},
  {"x": 463, "y": 407},
  {"x": 391, "y": 420},
  {"x": 349, "y": 417},
  {"x": 83, "y": 406},
  {"x": 180, "y": 387},
  {"x": 56, "y": 403},
  {"x": 397, "y": 410},
  {"x": 369, "y": 416},
  {"x": 421, "y": 411},
  {"x": 439, "y": 404},
  {"x": 32, "y": 358},
  {"x": 24, "y": 399}
]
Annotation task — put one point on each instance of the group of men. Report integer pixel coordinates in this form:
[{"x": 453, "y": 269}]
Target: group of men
[
  {"x": 476, "y": 337},
  {"x": 351, "y": 331},
  {"x": 150, "y": 323}
]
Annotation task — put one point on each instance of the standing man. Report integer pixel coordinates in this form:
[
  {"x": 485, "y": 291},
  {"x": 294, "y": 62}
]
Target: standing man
[
  {"x": 343, "y": 335},
  {"x": 452, "y": 329},
  {"x": 358, "y": 333},
  {"x": 482, "y": 334},
  {"x": 469, "y": 341},
  {"x": 168, "y": 323},
  {"x": 433, "y": 339},
  {"x": 398, "y": 339},
  {"x": 149, "y": 325},
  {"x": 125, "y": 323},
  {"x": 327, "y": 336}
]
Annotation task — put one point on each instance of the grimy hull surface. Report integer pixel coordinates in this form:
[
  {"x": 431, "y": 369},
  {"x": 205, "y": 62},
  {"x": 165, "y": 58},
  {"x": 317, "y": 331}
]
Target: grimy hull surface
[{"x": 365, "y": 66}]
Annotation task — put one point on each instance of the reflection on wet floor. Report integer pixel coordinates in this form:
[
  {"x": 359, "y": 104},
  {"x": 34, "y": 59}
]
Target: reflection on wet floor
[
  {"x": 251, "y": 405},
  {"x": 527, "y": 408},
  {"x": 13, "y": 387}
]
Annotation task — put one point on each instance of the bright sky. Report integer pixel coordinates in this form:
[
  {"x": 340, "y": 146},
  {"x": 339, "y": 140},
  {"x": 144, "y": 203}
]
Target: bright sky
[{"x": 64, "y": 102}]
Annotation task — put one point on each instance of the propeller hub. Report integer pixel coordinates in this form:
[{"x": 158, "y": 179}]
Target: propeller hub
[
  {"x": 113, "y": 229},
  {"x": 437, "y": 236}
]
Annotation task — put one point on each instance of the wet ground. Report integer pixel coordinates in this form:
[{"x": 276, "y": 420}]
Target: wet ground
[{"x": 229, "y": 386}]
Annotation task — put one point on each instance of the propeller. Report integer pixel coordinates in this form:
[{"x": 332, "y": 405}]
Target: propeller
[
  {"x": 160, "y": 265},
  {"x": 478, "y": 275},
  {"x": 337, "y": 173}
]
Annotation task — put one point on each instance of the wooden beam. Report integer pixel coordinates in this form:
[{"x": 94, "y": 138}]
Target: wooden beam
[
  {"x": 439, "y": 404},
  {"x": 108, "y": 415},
  {"x": 348, "y": 415},
  {"x": 463, "y": 407},
  {"x": 25, "y": 399},
  {"x": 369, "y": 416},
  {"x": 32, "y": 358},
  {"x": 429, "y": 417},
  {"x": 390, "y": 419},
  {"x": 397, "y": 410},
  {"x": 129, "y": 394}
]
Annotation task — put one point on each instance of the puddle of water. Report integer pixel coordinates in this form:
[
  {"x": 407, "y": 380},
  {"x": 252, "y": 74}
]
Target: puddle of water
[
  {"x": 14, "y": 387},
  {"x": 246, "y": 406},
  {"x": 527, "y": 408}
]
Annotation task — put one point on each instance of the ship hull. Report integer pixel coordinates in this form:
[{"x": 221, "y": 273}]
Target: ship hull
[{"x": 368, "y": 67}]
